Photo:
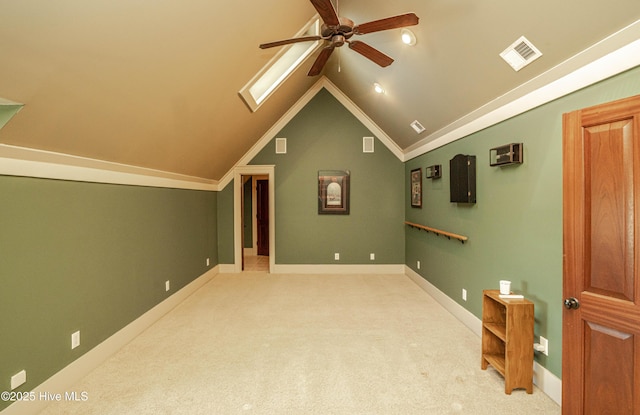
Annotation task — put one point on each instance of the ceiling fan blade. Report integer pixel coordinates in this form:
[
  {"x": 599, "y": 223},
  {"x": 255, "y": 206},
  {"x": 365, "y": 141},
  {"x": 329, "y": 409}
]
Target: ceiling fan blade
[
  {"x": 326, "y": 11},
  {"x": 371, "y": 53},
  {"x": 403, "y": 20},
  {"x": 289, "y": 41},
  {"x": 321, "y": 60}
]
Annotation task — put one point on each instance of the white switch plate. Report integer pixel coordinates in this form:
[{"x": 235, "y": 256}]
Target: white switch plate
[
  {"x": 336, "y": 256},
  {"x": 75, "y": 339},
  {"x": 544, "y": 343},
  {"x": 372, "y": 256},
  {"x": 18, "y": 379},
  {"x": 464, "y": 294},
  {"x": 167, "y": 286}
]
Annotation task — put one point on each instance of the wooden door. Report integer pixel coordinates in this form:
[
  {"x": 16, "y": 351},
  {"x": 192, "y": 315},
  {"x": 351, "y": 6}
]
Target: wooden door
[
  {"x": 601, "y": 216},
  {"x": 262, "y": 216}
]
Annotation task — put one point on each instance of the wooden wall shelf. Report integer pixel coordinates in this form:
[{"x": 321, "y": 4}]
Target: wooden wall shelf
[{"x": 449, "y": 235}]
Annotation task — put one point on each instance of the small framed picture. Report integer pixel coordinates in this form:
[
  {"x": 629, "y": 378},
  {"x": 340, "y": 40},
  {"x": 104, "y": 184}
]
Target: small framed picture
[
  {"x": 333, "y": 192},
  {"x": 416, "y": 188}
]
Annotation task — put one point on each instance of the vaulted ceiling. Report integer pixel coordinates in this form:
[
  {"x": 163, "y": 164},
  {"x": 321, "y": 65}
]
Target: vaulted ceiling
[{"x": 155, "y": 84}]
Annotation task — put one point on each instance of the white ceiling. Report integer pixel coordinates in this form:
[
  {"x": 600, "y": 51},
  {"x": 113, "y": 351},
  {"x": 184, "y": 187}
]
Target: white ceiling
[{"x": 155, "y": 84}]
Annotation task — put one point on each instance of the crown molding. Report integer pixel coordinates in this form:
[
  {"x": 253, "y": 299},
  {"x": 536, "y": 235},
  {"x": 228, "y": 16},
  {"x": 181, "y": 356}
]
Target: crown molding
[{"x": 28, "y": 162}]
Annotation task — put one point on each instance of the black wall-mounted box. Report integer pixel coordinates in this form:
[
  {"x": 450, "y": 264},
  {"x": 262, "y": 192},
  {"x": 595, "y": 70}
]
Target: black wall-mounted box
[{"x": 463, "y": 179}]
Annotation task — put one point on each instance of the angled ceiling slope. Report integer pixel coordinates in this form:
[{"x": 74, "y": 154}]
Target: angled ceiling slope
[
  {"x": 20, "y": 161},
  {"x": 607, "y": 58}
]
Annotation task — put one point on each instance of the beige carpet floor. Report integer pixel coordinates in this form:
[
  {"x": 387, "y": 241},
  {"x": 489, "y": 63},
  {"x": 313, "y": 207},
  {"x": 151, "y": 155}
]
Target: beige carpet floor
[{"x": 257, "y": 343}]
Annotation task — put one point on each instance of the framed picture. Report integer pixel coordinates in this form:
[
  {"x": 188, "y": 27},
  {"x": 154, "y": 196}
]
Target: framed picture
[
  {"x": 416, "y": 188},
  {"x": 333, "y": 192}
]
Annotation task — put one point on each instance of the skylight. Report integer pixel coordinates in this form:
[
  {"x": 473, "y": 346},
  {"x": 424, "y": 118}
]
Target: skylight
[{"x": 274, "y": 73}]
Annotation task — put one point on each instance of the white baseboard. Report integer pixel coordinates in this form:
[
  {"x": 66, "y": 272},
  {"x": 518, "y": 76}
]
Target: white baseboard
[
  {"x": 339, "y": 269},
  {"x": 549, "y": 383},
  {"x": 227, "y": 268},
  {"x": 325, "y": 269},
  {"x": 62, "y": 381},
  {"x": 465, "y": 316}
]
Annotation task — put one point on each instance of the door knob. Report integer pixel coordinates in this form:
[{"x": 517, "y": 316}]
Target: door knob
[{"x": 571, "y": 303}]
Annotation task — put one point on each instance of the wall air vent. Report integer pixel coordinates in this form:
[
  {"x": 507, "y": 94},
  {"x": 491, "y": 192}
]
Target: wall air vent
[
  {"x": 520, "y": 53},
  {"x": 281, "y": 146},
  {"x": 417, "y": 127},
  {"x": 367, "y": 145}
]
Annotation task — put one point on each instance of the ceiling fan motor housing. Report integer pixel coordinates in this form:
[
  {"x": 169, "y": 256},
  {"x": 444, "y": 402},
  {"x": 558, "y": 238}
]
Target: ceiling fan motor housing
[{"x": 345, "y": 28}]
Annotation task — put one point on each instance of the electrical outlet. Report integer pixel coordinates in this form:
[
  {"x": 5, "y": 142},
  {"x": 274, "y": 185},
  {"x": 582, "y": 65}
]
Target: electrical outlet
[
  {"x": 372, "y": 256},
  {"x": 336, "y": 256},
  {"x": 75, "y": 339},
  {"x": 544, "y": 343},
  {"x": 418, "y": 264},
  {"x": 18, "y": 379},
  {"x": 464, "y": 294},
  {"x": 167, "y": 286},
  {"x": 207, "y": 261}
]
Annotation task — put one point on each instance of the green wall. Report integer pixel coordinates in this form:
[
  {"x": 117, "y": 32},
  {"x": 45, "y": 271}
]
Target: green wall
[
  {"x": 7, "y": 111},
  {"x": 515, "y": 228},
  {"x": 324, "y": 135},
  {"x": 90, "y": 257}
]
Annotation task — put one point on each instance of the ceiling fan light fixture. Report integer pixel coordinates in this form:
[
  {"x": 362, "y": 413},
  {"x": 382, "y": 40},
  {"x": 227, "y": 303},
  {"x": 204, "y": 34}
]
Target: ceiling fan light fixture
[
  {"x": 408, "y": 37},
  {"x": 378, "y": 88}
]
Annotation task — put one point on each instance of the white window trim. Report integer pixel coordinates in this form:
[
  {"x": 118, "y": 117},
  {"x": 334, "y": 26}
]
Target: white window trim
[{"x": 281, "y": 66}]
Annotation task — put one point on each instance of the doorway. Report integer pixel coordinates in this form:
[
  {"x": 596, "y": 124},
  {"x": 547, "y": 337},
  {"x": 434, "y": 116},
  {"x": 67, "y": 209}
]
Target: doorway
[
  {"x": 601, "y": 228},
  {"x": 255, "y": 223},
  {"x": 261, "y": 222}
]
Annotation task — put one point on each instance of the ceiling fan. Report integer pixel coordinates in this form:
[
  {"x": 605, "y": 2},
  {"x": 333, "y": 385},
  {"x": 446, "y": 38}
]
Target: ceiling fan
[{"x": 338, "y": 30}]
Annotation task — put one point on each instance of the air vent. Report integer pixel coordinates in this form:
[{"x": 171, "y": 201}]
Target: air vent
[
  {"x": 417, "y": 127},
  {"x": 520, "y": 53},
  {"x": 367, "y": 144},
  {"x": 281, "y": 146}
]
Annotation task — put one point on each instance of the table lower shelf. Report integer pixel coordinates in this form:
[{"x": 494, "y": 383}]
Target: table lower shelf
[
  {"x": 495, "y": 360},
  {"x": 513, "y": 380}
]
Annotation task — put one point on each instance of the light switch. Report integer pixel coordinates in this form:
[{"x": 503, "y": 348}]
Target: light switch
[
  {"x": 75, "y": 339},
  {"x": 18, "y": 379}
]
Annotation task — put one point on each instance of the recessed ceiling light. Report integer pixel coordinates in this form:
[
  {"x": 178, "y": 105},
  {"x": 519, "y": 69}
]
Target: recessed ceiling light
[
  {"x": 378, "y": 88},
  {"x": 408, "y": 38}
]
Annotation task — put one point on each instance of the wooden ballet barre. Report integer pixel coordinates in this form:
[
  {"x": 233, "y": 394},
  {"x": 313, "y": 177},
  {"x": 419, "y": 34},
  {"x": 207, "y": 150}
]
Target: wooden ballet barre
[{"x": 449, "y": 235}]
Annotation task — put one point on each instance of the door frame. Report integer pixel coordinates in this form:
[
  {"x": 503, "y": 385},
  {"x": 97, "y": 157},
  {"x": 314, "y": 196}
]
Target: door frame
[{"x": 258, "y": 170}]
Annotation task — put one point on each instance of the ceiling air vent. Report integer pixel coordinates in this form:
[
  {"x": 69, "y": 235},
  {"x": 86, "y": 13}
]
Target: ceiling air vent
[
  {"x": 520, "y": 53},
  {"x": 417, "y": 127}
]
